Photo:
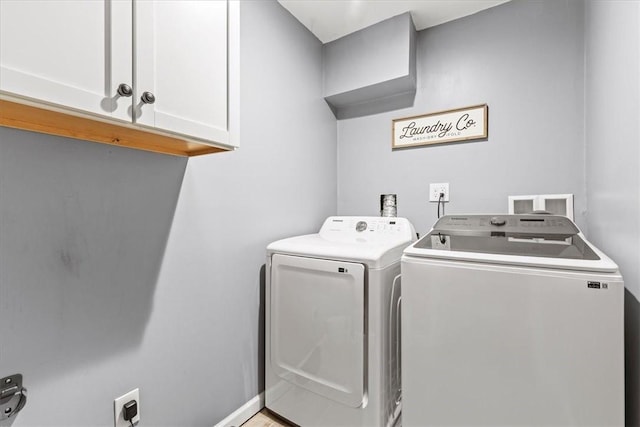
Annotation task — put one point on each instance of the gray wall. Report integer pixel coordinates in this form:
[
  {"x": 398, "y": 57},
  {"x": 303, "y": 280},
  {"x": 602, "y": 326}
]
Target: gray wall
[
  {"x": 123, "y": 269},
  {"x": 613, "y": 159},
  {"x": 525, "y": 60}
]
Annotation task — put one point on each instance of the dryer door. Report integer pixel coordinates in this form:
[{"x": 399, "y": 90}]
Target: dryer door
[{"x": 317, "y": 326}]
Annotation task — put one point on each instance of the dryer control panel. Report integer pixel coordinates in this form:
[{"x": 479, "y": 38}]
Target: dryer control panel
[{"x": 370, "y": 228}]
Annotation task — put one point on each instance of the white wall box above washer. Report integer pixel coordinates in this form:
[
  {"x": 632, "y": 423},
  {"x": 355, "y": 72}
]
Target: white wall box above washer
[
  {"x": 80, "y": 60},
  {"x": 556, "y": 204}
]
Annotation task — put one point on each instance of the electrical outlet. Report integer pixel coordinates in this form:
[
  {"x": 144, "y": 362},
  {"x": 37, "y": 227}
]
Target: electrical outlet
[
  {"x": 118, "y": 416},
  {"x": 436, "y": 189}
]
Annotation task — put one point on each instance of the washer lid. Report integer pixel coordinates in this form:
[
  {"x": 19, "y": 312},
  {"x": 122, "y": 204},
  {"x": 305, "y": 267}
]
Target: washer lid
[
  {"x": 374, "y": 241},
  {"x": 543, "y": 240}
]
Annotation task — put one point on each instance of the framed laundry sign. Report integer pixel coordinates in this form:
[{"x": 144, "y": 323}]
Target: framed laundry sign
[{"x": 461, "y": 124}]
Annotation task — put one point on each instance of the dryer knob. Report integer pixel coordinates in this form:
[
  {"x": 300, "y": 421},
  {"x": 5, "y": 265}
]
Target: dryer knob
[{"x": 496, "y": 220}]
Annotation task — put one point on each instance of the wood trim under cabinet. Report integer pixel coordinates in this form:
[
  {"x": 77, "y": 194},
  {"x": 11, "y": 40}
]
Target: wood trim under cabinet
[{"x": 29, "y": 117}]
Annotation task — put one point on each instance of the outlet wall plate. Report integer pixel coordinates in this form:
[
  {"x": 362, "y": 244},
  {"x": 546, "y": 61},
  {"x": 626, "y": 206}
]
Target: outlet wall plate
[
  {"x": 118, "y": 403},
  {"x": 436, "y": 189}
]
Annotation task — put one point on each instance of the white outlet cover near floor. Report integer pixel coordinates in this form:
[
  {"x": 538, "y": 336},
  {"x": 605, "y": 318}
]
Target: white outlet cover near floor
[{"x": 118, "y": 403}]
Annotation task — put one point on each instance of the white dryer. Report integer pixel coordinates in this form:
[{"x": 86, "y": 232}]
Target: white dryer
[
  {"x": 331, "y": 356},
  {"x": 511, "y": 320}
]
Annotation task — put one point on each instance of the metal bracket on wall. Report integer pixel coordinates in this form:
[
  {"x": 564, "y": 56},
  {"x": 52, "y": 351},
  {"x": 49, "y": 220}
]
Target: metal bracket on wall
[{"x": 13, "y": 397}]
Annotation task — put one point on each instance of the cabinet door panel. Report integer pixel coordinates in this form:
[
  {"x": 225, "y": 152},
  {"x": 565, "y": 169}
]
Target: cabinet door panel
[
  {"x": 181, "y": 57},
  {"x": 69, "y": 53}
]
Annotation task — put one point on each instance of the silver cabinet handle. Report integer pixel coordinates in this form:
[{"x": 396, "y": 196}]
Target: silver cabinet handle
[
  {"x": 125, "y": 90},
  {"x": 148, "y": 98}
]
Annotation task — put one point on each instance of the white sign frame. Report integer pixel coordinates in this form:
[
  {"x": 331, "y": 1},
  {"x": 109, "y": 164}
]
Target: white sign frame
[{"x": 460, "y": 124}]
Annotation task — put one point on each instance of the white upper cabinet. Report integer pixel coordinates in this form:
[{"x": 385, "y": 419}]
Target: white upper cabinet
[
  {"x": 69, "y": 53},
  {"x": 181, "y": 59},
  {"x": 158, "y": 65}
]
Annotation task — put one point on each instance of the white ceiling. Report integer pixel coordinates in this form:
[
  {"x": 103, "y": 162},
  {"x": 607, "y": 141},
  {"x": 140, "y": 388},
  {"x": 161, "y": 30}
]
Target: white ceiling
[{"x": 332, "y": 19}]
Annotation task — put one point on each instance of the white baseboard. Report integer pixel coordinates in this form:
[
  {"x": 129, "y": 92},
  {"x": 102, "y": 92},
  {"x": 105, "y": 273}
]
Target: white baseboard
[{"x": 243, "y": 413}]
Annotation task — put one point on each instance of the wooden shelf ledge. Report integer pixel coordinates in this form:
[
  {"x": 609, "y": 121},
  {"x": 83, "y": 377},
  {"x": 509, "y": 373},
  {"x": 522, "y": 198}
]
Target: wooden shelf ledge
[{"x": 29, "y": 117}]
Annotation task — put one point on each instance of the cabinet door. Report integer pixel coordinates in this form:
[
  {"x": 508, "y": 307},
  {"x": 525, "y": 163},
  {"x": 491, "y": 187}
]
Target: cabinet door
[
  {"x": 181, "y": 58},
  {"x": 69, "y": 53}
]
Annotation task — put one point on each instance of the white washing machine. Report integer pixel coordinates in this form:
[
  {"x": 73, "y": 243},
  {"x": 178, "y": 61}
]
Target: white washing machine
[
  {"x": 331, "y": 356},
  {"x": 511, "y": 320}
]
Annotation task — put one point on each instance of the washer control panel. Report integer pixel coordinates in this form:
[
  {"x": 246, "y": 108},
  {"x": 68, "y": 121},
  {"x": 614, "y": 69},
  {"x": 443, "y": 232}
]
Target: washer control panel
[
  {"x": 548, "y": 236},
  {"x": 544, "y": 224}
]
